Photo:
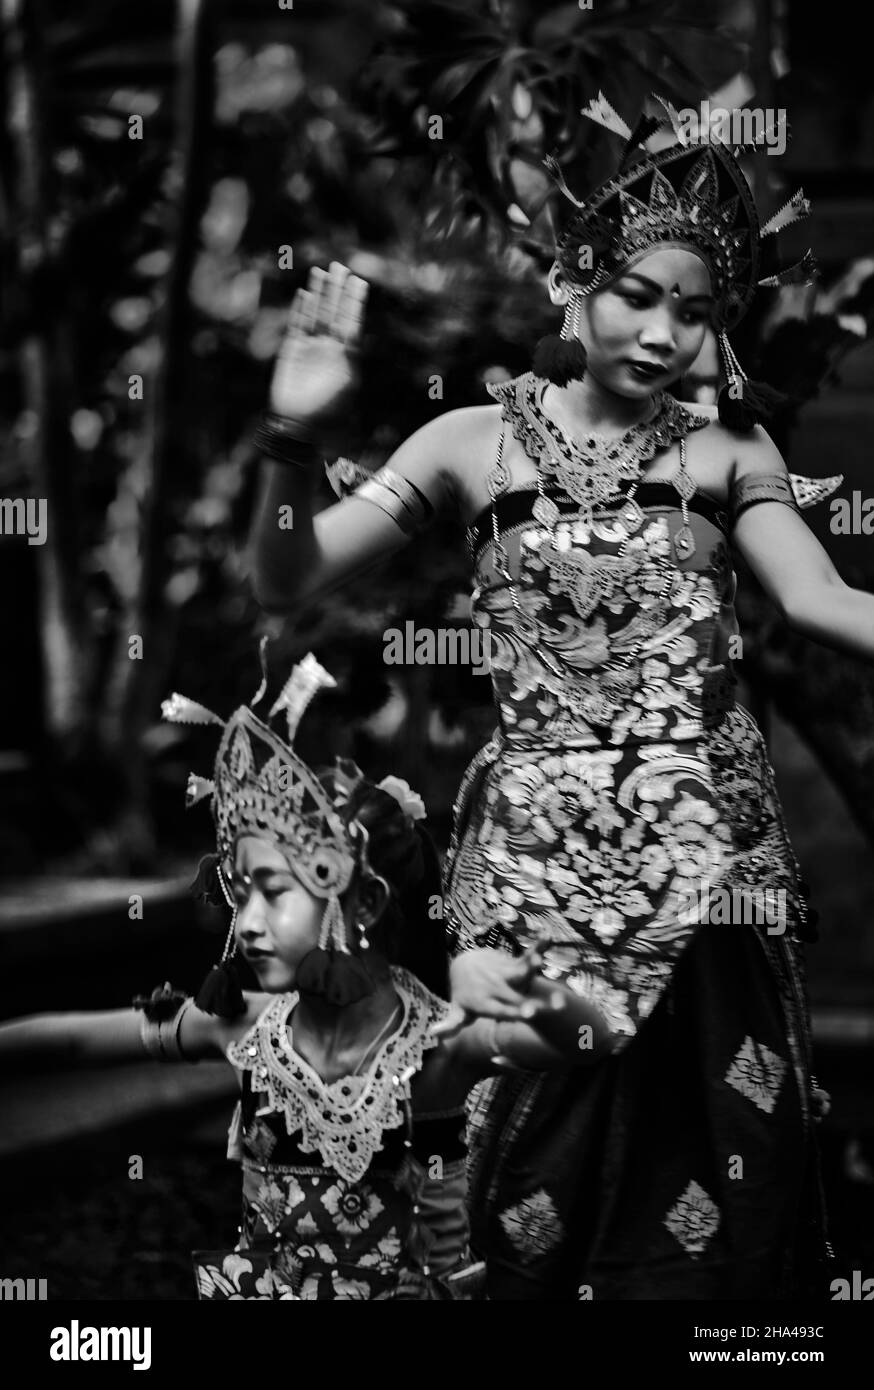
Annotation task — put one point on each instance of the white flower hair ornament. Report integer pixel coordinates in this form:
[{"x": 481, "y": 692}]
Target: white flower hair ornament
[{"x": 409, "y": 801}]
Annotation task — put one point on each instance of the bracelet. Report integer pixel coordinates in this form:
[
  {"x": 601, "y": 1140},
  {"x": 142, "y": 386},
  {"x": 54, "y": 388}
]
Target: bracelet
[
  {"x": 289, "y": 426},
  {"x": 400, "y": 499},
  {"x": 160, "y": 1037},
  {"x": 285, "y": 440}
]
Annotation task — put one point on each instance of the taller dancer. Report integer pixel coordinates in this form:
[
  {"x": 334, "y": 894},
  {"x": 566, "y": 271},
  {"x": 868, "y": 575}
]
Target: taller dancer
[{"x": 624, "y": 784}]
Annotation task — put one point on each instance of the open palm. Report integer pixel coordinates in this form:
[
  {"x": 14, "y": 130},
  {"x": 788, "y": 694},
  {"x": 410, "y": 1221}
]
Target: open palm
[{"x": 315, "y": 371}]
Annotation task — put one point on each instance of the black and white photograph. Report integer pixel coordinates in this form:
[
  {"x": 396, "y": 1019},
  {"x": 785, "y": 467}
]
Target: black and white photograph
[{"x": 437, "y": 754}]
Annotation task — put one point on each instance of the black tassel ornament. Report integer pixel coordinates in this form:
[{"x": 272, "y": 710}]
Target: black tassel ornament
[
  {"x": 220, "y": 994},
  {"x": 559, "y": 360},
  {"x": 562, "y": 359},
  {"x": 742, "y": 404}
]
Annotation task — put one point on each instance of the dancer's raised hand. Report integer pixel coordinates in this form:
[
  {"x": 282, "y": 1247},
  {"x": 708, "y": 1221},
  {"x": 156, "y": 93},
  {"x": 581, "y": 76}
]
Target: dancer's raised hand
[{"x": 316, "y": 370}]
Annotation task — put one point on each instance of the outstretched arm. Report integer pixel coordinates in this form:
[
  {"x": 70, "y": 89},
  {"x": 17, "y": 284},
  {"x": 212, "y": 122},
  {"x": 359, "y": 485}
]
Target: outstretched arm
[
  {"x": 794, "y": 569},
  {"x": 114, "y": 1036}
]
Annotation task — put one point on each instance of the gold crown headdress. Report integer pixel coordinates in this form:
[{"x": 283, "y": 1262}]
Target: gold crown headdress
[
  {"x": 690, "y": 192},
  {"x": 262, "y": 787}
]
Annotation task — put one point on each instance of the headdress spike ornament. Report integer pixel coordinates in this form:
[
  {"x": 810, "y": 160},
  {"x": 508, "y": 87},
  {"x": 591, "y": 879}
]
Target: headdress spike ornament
[
  {"x": 602, "y": 113},
  {"x": 307, "y": 678},
  {"x": 198, "y": 789},
  {"x": 178, "y": 709},
  {"x": 552, "y": 164},
  {"x": 262, "y": 659},
  {"x": 801, "y": 273},
  {"x": 793, "y": 211},
  {"x": 674, "y": 118},
  {"x": 645, "y": 127},
  {"x": 777, "y": 132}
]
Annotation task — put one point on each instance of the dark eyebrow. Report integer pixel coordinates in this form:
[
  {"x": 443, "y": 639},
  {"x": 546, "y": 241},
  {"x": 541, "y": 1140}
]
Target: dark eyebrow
[{"x": 660, "y": 289}]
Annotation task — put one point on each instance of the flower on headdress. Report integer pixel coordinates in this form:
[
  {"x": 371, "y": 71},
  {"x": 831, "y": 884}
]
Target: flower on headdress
[{"x": 409, "y": 801}]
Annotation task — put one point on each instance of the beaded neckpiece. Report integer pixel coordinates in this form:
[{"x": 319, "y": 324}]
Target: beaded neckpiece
[
  {"x": 590, "y": 474},
  {"x": 344, "y": 1120}
]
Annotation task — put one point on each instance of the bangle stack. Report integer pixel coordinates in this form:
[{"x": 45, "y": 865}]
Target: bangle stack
[
  {"x": 286, "y": 440},
  {"x": 160, "y": 1037},
  {"x": 400, "y": 499}
]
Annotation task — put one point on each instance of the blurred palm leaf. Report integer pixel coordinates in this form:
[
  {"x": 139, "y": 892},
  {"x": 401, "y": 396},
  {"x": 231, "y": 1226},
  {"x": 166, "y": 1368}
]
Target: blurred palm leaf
[{"x": 508, "y": 79}]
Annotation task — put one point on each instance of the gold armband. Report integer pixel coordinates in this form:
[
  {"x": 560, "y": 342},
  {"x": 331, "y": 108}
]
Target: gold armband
[
  {"x": 752, "y": 489},
  {"x": 401, "y": 500}
]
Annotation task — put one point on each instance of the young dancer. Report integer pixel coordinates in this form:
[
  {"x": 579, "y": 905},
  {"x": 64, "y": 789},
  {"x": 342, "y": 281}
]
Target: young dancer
[{"x": 353, "y": 1067}]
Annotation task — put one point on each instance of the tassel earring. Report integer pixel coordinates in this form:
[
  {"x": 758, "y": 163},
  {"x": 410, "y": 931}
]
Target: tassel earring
[
  {"x": 330, "y": 971},
  {"x": 562, "y": 359},
  {"x": 220, "y": 994},
  {"x": 742, "y": 404}
]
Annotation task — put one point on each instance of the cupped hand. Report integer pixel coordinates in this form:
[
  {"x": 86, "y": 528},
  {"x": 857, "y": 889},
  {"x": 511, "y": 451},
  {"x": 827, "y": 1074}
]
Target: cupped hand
[{"x": 316, "y": 371}]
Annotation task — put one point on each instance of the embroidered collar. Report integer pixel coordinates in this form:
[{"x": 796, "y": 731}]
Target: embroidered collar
[
  {"x": 343, "y": 1120},
  {"x": 590, "y": 471}
]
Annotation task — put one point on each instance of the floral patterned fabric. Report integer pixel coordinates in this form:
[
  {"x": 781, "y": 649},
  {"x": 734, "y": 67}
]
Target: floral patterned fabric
[
  {"x": 599, "y": 841},
  {"x": 307, "y": 1234}
]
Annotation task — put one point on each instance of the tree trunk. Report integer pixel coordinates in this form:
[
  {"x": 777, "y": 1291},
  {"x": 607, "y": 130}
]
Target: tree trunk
[
  {"x": 65, "y": 638},
  {"x": 135, "y": 686}
]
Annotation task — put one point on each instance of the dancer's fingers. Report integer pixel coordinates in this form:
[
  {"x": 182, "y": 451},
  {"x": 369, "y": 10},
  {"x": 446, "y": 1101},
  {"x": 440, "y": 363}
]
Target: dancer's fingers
[
  {"x": 532, "y": 1009},
  {"x": 296, "y": 313},
  {"x": 350, "y": 314},
  {"x": 317, "y": 286},
  {"x": 520, "y": 1010},
  {"x": 307, "y": 320},
  {"x": 294, "y": 328},
  {"x": 507, "y": 995},
  {"x": 335, "y": 285}
]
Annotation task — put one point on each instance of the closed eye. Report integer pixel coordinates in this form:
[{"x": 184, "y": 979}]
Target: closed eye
[{"x": 270, "y": 888}]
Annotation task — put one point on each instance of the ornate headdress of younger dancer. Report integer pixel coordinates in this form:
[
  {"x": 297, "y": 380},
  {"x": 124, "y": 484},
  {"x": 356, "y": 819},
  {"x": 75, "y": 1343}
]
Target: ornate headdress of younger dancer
[
  {"x": 672, "y": 188},
  {"x": 262, "y": 787}
]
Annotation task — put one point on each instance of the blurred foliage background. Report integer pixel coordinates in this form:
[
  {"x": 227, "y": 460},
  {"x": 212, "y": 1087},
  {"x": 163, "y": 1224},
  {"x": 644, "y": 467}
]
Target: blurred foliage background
[{"x": 153, "y": 254}]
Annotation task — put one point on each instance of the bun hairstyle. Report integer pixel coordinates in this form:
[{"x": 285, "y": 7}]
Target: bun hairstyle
[{"x": 411, "y": 931}]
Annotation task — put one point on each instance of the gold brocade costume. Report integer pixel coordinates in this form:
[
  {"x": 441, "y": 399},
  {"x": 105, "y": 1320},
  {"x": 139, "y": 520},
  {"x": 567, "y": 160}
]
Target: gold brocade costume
[{"x": 610, "y": 840}]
